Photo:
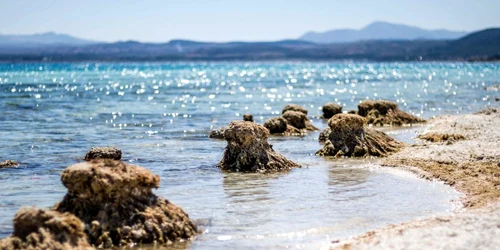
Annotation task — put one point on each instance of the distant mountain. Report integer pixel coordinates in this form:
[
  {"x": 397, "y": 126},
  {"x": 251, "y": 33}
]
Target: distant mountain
[
  {"x": 479, "y": 46},
  {"x": 381, "y": 31},
  {"x": 44, "y": 39}
]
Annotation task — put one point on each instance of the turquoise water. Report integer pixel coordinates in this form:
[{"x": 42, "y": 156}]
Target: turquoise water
[{"x": 160, "y": 114}]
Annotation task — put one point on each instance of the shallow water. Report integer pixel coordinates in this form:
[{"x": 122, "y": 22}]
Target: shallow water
[{"x": 160, "y": 115}]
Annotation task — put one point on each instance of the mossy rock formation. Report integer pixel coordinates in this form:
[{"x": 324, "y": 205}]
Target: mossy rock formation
[
  {"x": 330, "y": 109},
  {"x": 385, "y": 113},
  {"x": 349, "y": 137},
  {"x": 117, "y": 205},
  {"x": 103, "y": 153},
  {"x": 248, "y": 150},
  {"x": 44, "y": 229}
]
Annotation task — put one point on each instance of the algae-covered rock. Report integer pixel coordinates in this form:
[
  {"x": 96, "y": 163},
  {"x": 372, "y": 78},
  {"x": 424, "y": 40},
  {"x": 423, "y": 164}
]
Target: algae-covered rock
[
  {"x": 103, "y": 153},
  {"x": 9, "y": 164},
  {"x": 294, "y": 107},
  {"x": 44, "y": 229},
  {"x": 349, "y": 137},
  {"x": 330, "y": 109},
  {"x": 248, "y": 117},
  {"x": 217, "y": 133},
  {"x": 385, "y": 113},
  {"x": 117, "y": 205},
  {"x": 248, "y": 150}
]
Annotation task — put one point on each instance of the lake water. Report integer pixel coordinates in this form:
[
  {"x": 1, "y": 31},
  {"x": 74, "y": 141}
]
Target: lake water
[{"x": 160, "y": 114}]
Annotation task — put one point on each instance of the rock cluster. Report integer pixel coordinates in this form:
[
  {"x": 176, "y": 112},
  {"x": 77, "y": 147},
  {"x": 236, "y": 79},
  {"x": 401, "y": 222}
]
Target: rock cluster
[
  {"x": 293, "y": 121},
  {"x": 248, "y": 150},
  {"x": 385, "y": 113},
  {"x": 9, "y": 164},
  {"x": 349, "y": 137},
  {"x": 103, "y": 153},
  {"x": 116, "y": 203},
  {"x": 44, "y": 229}
]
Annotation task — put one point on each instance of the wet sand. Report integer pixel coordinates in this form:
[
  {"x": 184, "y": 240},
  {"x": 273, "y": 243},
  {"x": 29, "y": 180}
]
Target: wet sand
[{"x": 469, "y": 162}]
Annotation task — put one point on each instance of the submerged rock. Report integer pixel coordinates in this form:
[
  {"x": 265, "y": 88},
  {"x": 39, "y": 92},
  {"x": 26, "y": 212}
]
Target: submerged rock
[
  {"x": 385, "y": 113},
  {"x": 103, "y": 153},
  {"x": 248, "y": 150},
  {"x": 9, "y": 164},
  {"x": 349, "y": 137},
  {"x": 438, "y": 137},
  {"x": 330, "y": 109},
  {"x": 44, "y": 229},
  {"x": 117, "y": 205},
  {"x": 248, "y": 117},
  {"x": 294, "y": 107}
]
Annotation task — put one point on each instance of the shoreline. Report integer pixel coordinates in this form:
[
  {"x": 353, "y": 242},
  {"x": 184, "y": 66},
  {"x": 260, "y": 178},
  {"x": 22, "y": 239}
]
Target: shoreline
[{"x": 471, "y": 165}]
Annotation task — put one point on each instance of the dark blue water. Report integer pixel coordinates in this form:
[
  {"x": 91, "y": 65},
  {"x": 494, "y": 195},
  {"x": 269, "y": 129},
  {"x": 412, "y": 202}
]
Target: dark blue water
[{"x": 160, "y": 115}]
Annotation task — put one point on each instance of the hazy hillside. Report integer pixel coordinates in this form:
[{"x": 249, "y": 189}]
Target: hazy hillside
[
  {"x": 381, "y": 31},
  {"x": 43, "y": 39}
]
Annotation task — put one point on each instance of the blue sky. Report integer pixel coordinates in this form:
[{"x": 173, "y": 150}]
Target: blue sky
[{"x": 224, "y": 20}]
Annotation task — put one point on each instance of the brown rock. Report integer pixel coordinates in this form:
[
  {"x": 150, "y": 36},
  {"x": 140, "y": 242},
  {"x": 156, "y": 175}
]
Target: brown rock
[
  {"x": 117, "y": 205},
  {"x": 331, "y": 109},
  {"x": 385, "y": 113},
  {"x": 8, "y": 164},
  {"x": 44, "y": 229},
  {"x": 103, "y": 153},
  {"x": 349, "y": 137},
  {"x": 248, "y": 150},
  {"x": 294, "y": 107},
  {"x": 248, "y": 117}
]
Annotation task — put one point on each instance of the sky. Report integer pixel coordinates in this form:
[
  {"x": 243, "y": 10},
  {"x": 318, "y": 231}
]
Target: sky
[{"x": 232, "y": 20}]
